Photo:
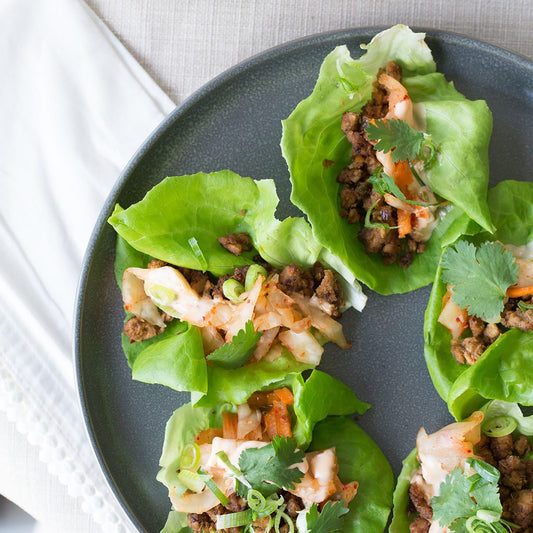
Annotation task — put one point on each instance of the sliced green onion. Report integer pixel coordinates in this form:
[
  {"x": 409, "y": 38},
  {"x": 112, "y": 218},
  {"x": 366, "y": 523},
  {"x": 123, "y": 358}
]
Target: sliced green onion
[
  {"x": 232, "y": 289},
  {"x": 369, "y": 224},
  {"x": 486, "y": 471},
  {"x": 499, "y": 426},
  {"x": 488, "y": 516},
  {"x": 213, "y": 487},
  {"x": 262, "y": 506},
  {"x": 282, "y": 515},
  {"x": 223, "y": 456},
  {"x": 254, "y": 271},
  {"x": 195, "y": 247},
  {"x": 347, "y": 85},
  {"x": 524, "y": 307},
  {"x": 227, "y": 521},
  {"x": 192, "y": 480},
  {"x": 190, "y": 457}
]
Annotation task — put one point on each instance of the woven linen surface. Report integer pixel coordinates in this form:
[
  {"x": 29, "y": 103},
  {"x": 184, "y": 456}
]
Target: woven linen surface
[{"x": 185, "y": 43}]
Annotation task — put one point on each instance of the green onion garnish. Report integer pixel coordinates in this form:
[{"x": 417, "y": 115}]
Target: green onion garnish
[
  {"x": 213, "y": 487},
  {"x": 262, "y": 506},
  {"x": 524, "y": 307},
  {"x": 223, "y": 456},
  {"x": 190, "y": 457},
  {"x": 486, "y": 471},
  {"x": 499, "y": 426},
  {"x": 192, "y": 480},
  {"x": 369, "y": 224},
  {"x": 282, "y": 515},
  {"x": 195, "y": 247},
  {"x": 254, "y": 271},
  {"x": 227, "y": 521},
  {"x": 232, "y": 289}
]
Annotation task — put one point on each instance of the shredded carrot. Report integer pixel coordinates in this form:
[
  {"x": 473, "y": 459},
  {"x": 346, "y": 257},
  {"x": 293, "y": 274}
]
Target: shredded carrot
[
  {"x": 518, "y": 292},
  {"x": 229, "y": 425},
  {"x": 206, "y": 436},
  {"x": 404, "y": 223},
  {"x": 284, "y": 395},
  {"x": 402, "y": 175}
]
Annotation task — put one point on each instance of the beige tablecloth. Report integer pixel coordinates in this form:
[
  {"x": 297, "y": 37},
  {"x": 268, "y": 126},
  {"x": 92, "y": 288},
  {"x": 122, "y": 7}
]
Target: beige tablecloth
[{"x": 183, "y": 44}]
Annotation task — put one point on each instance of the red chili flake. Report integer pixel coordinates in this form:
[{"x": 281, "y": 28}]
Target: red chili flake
[{"x": 327, "y": 163}]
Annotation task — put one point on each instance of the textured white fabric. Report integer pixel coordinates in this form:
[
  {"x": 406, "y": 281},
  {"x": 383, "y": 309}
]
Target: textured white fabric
[{"x": 74, "y": 105}]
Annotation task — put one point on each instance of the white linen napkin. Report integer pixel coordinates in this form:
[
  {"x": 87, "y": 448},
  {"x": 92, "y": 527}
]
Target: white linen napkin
[{"x": 74, "y": 106}]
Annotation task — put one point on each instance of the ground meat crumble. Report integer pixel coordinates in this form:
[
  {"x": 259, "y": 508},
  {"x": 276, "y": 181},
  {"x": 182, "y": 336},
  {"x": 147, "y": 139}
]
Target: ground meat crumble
[
  {"x": 469, "y": 348},
  {"x": 358, "y": 196},
  {"x": 511, "y": 457}
]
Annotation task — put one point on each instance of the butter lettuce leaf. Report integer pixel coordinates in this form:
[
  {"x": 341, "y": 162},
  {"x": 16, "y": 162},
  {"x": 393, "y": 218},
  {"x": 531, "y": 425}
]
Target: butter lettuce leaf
[
  {"x": 400, "y": 511},
  {"x": 361, "y": 460},
  {"x": 359, "y": 457},
  {"x": 503, "y": 371},
  {"x": 316, "y": 151},
  {"x": 319, "y": 396}
]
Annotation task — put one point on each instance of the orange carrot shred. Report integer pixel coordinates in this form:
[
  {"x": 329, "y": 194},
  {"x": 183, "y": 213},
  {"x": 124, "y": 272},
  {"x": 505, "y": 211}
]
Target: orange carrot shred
[{"x": 518, "y": 292}]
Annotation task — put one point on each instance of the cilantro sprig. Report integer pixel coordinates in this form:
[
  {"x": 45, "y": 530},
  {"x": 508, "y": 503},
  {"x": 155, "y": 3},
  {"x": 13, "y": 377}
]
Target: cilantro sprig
[
  {"x": 403, "y": 141},
  {"x": 235, "y": 354},
  {"x": 385, "y": 184},
  {"x": 480, "y": 276},
  {"x": 465, "y": 501},
  {"x": 329, "y": 519},
  {"x": 270, "y": 468}
]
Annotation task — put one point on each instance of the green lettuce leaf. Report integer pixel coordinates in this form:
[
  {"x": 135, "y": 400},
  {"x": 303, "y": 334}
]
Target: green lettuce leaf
[
  {"x": 360, "y": 459},
  {"x": 400, "y": 511},
  {"x": 176, "y": 523},
  {"x": 206, "y": 207},
  {"x": 187, "y": 421},
  {"x": 312, "y": 135},
  {"x": 181, "y": 429},
  {"x": 132, "y": 350},
  {"x": 502, "y": 372},
  {"x": 177, "y": 361},
  {"x": 237, "y": 384},
  {"x": 318, "y": 397}
]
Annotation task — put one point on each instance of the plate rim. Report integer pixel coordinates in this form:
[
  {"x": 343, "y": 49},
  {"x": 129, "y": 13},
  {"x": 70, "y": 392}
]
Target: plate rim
[{"x": 181, "y": 109}]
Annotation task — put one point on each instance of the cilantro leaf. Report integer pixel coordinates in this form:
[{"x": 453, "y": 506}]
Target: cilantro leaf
[
  {"x": 383, "y": 183},
  {"x": 396, "y": 136},
  {"x": 329, "y": 519},
  {"x": 268, "y": 469},
  {"x": 454, "y": 500},
  {"x": 461, "y": 499},
  {"x": 235, "y": 354},
  {"x": 480, "y": 277}
]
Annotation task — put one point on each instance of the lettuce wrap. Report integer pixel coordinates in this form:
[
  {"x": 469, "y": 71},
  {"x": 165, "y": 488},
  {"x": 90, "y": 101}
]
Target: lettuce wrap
[
  {"x": 316, "y": 150},
  {"x": 503, "y": 418},
  {"x": 179, "y": 222},
  {"x": 315, "y": 401},
  {"x": 503, "y": 370}
]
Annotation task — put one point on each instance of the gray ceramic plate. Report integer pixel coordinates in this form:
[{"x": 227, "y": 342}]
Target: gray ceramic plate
[{"x": 234, "y": 122}]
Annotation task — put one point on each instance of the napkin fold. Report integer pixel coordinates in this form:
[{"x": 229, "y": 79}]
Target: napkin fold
[{"x": 74, "y": 106}]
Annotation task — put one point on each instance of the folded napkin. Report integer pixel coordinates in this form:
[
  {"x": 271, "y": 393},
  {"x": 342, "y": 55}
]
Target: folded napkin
[{"x": 74, "y": 106}]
